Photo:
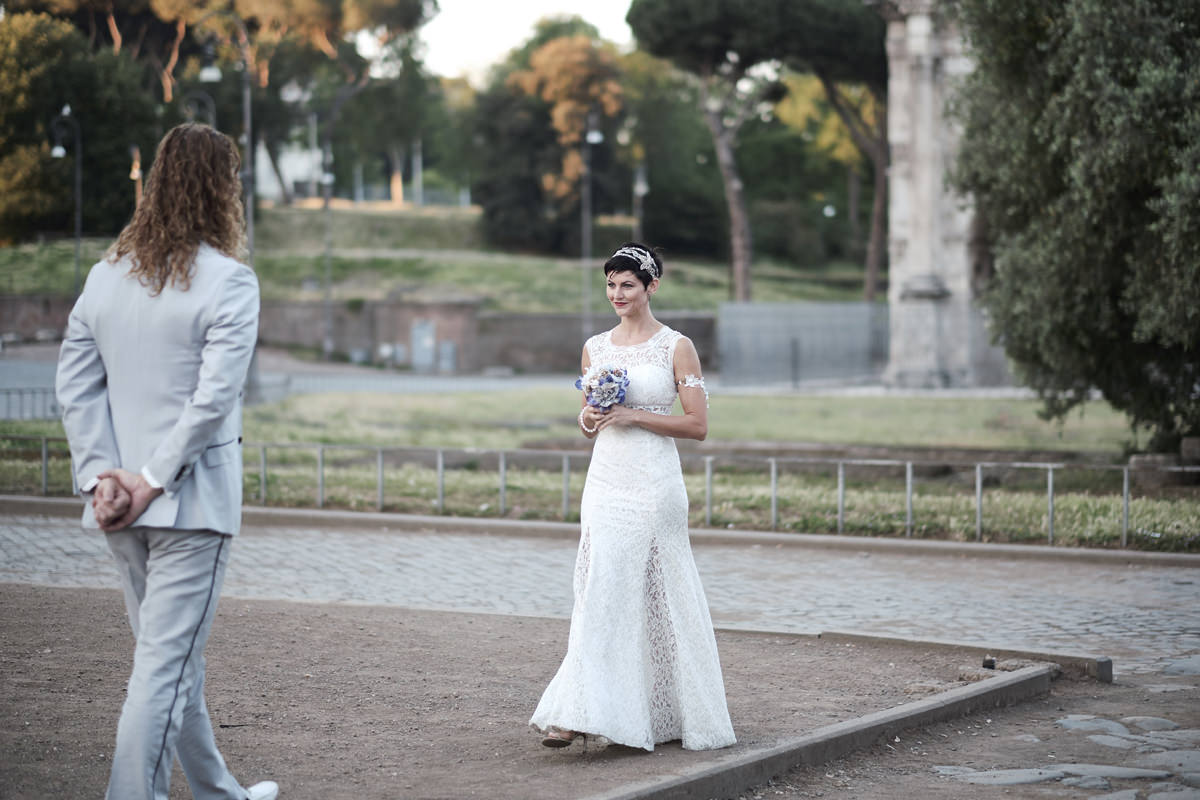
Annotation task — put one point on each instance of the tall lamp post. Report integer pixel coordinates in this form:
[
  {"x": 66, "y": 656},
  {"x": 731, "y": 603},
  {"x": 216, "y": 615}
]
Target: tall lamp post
[
  {"x": 327, "y": 179},
  {"x": 199, "y": 103},
  {"x": 65, "y": 120},
  {"x": 641, "y": 188},
  {"x": 210, "y": 73},
  {"x": 592, "y": 137},
  {"x": 326, "y": 198}
]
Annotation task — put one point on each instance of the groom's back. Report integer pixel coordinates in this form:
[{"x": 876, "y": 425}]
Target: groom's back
[{"x": 153, "y": 344}]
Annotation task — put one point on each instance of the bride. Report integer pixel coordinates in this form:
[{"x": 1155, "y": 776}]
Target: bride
[{"x": 641, "y": 665}]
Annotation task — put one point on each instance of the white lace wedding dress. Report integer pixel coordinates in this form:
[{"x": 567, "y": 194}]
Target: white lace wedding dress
[{"x": 641, "y": 665}]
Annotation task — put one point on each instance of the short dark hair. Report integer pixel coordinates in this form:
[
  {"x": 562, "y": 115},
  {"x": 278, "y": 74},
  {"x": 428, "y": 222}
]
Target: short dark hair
[{"x": 619, "y": 262}]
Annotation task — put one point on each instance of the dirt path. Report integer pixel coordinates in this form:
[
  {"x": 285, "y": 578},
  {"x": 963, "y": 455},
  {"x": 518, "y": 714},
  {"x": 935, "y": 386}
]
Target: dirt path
[{"x": 342, "y": 701}]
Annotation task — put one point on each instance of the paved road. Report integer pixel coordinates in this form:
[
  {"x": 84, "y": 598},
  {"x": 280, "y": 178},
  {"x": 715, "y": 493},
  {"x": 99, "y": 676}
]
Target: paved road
[
  {"x": 32, "y": 366},
  {"x": 1140, "y": 616}
]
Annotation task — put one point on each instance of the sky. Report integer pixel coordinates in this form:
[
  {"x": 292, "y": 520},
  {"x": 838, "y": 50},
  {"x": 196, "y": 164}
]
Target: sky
[{"x": 467, "y": 37}]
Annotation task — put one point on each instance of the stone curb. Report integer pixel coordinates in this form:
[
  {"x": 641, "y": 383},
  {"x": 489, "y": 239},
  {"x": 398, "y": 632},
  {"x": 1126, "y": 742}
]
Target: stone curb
[
  {"x": 315, "y": 517},
  {"x": 1073, "y": 665},
  {"x": 730, "y": 777}
]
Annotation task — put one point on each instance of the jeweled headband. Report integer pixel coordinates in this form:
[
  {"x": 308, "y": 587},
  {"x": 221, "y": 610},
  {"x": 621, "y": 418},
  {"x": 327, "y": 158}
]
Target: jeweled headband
[{"x": 642, "y": 257}]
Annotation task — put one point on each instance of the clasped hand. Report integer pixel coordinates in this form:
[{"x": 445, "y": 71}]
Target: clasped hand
[
  {"x": 615, "y": 417},
  {"x": 121, "y": 497}
]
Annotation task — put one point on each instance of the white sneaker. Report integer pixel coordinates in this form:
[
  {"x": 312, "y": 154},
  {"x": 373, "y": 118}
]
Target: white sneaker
[{"x": 263, "y": 790}]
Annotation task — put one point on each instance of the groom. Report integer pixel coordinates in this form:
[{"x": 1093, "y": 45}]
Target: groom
[{"x": 150, "y": 378}]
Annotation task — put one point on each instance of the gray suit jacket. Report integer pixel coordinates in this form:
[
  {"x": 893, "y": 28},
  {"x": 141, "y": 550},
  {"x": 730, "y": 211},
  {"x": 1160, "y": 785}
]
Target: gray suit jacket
[{"x": 155, "y": 382}]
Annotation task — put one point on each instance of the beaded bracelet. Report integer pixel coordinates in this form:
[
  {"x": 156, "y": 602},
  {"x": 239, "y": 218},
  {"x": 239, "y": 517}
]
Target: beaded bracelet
[{"x": 583, "y": 425}]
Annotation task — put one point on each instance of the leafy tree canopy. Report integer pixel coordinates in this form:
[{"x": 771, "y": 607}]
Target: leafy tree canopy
[
  {"x": 529, "y": 124},
  {"x": 578, "y": 79},
  {"x": 842, "y": 38},
  {"x": 546, "y": 30},
  {"x": 684, "y": 211},
  {"x": 44, "y": 65},
  {"x": 1081, "y": 148},
  {"x": 806, "y": 109}
]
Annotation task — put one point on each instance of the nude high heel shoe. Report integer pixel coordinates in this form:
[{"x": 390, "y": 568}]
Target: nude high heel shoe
[{"x": 557, "y": 737}]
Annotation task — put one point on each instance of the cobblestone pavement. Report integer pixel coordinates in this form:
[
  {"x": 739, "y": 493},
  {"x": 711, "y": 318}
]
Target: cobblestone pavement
[{"x": 1139, "y": 615}]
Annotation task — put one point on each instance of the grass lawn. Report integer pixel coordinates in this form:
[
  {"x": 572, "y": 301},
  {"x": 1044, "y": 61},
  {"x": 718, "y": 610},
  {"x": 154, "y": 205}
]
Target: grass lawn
[
  {"x": 517, "y": 418},
  {"x": 513, "y": 419},
  {"x": 987, "y": 423},
  {"x": 433, "y": 254},
  {"x": 47, "y": 268},
  {"x": 535, "y": 284},
  {"x": 1088, "y": 507},
  {"x": 434, "y": 227}
]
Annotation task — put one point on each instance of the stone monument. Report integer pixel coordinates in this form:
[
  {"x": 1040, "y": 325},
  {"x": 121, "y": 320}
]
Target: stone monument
[{"x": 938, "y": 335}]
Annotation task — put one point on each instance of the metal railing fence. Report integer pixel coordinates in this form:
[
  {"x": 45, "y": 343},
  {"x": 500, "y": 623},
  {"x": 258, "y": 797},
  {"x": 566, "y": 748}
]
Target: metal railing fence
[
  {"x": 29, "y": 403},
  {"x": 444, "y": 459}
]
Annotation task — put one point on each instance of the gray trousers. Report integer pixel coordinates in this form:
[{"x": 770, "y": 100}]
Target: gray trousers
[{"x": 172, "y": 579}]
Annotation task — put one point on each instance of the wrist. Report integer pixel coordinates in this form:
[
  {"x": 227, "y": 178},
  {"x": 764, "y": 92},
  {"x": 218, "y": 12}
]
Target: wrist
[
  {"x": 143, "y": 486},
  {"x": 149, "y": 478},
  {"x": 583, "y": 423}
]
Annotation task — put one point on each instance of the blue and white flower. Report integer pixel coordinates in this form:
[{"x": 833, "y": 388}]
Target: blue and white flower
[{"x": 604, "y": 386}]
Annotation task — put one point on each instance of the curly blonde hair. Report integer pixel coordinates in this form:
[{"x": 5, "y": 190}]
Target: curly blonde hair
[{"x": 192, "y": 196}]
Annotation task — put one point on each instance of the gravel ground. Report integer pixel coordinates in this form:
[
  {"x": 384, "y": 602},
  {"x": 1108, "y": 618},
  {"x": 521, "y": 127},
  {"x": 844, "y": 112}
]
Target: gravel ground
[{"x": 355, "y": 701}]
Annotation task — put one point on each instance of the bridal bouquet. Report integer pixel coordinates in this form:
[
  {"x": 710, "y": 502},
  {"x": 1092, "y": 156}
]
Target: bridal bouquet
[{"x": 604, "y": 386}]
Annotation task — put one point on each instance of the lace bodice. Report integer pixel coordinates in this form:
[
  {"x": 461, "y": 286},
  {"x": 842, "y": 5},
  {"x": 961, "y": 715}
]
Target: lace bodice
[{"x": 650, "y": 366}]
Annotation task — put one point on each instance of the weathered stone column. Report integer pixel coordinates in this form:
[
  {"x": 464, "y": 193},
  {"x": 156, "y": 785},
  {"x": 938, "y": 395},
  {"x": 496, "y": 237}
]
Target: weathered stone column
[{"x": 934, "y": 333}]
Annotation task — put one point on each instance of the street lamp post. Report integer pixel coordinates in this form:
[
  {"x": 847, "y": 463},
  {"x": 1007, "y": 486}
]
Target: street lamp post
[
  {"x": 326, "y": 199},
  {"x": 593, "y": 136},
  {"x": 66, "y": 120},
  {"x": 641, "y": 188},
  {"x": 211, "y": 74},
  {"x": 199, "y": 103}
]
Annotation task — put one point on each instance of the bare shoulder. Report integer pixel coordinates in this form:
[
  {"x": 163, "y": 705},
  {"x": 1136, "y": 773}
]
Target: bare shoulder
[{"x": 685, "y": 349}]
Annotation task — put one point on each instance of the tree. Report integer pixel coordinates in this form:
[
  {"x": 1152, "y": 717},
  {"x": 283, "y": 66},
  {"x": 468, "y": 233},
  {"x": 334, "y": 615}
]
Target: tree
[
  {"x": 789, "y": 184},
  {"x": 1081, "y": 151},
  {"x": 390, "y": 114},
  {"x": 843, "y": 45},
  {"x": 517, "y": 146},
  {"x": 807, "y": 110},
  {"x": 44, "y": 65},
  {"x": 724, "y": 43},
  {"x": 579, "y": 81},
  {"x": 281, "y": 33},
  {"x": 684, "y": 211},
  {"x": 451, "y": 150},
  {"x": 151, "y": 32},
  {"x": 527, "y": 126}
]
